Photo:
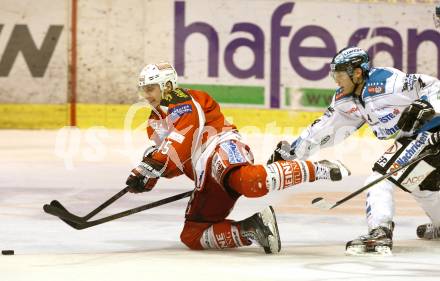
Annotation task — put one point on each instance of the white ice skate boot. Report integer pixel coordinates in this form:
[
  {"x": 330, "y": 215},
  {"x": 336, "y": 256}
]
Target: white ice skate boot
[
  {"x": 428, "y": 231},
  {"x": 378, "y": 242},
  {"x": 262, "y": 228},
  {"x": 334, "y": 171}
]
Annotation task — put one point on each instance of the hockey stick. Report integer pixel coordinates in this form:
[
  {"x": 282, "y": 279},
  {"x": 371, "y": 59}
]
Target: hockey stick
[
  {"x": 57, "y": 204},
  {"x": 324, "y": 204},
  {"x": 78, "y": 223}
]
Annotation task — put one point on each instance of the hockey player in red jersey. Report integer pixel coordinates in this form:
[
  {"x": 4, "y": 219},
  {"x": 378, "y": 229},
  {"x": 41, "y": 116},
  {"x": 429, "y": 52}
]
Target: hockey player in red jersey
[{"x": 193, "y": 138}]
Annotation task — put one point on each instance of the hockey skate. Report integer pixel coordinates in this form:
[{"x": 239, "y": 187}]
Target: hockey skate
[
  {"x": 428, "y": 231},
  {"x": 378, "y": 242},
  {"x": 262, "y": 228},
  {"x": 334, "y": 171}
]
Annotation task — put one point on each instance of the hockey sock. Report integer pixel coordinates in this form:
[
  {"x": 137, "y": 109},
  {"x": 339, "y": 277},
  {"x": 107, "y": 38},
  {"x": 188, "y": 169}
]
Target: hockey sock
[{"x": 221, "y": 235}]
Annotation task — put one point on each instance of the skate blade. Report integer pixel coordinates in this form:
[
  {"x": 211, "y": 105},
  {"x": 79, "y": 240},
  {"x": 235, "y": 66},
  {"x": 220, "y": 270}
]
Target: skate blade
[
  {"x": 361, "y": 251},
  {"x": 270, "y": 221}
]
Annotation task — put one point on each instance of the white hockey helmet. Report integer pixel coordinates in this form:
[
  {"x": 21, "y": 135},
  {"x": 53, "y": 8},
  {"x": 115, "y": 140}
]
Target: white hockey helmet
[{"x": 158, "y": 73}]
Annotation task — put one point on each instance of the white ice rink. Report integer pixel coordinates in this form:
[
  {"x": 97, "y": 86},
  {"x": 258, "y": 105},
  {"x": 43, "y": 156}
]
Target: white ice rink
[{"x": 84, "y": 168}]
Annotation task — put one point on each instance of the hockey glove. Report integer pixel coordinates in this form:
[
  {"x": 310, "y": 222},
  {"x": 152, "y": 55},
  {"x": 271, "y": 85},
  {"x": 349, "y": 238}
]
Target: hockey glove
[
  {"x": 144, "y": 177},
  {"x": 150, "y": 150},
  {"x": 434, "y": 139},
  {"x": 415, "y": 115},
  {"x": 282, "y": 152}
]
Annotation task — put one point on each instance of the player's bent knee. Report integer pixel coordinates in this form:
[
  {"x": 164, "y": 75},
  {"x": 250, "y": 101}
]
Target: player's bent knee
[
  {"x": 191, "y": 242},
  {"x": 191, "y": 233},
  {"x": 249, "y": 180}
]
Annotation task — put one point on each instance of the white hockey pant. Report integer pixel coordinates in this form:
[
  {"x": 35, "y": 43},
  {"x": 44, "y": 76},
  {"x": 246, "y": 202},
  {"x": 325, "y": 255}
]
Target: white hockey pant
[{"x": 380, "y": 202}]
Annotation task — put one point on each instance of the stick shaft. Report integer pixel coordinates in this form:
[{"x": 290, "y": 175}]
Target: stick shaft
[
  {"x": 107, "y": 203},
  {"x": 389, "y": 174},
  {"x": 77, "y": 224},
  {"x": 140, "y": 209}
]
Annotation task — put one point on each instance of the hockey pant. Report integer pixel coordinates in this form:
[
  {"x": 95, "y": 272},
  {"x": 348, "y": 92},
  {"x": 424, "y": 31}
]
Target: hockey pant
[
  {"x": 206, "y": 225},
  {"x": 420, "y": 179}
]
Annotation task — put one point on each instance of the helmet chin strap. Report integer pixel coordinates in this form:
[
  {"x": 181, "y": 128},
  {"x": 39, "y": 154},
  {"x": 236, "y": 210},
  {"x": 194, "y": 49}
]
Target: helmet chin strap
[{"x": 356, "y": 85}]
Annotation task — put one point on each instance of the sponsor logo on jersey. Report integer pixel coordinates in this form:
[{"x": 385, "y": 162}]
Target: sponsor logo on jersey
[
  {"x": 176, "y": 137},
  {"x": 389, "y": 153},
  {"x": 394, "y": 148},
  {"x": 180, "y": 110},
  {"x": 352, "y": 110},
  {"x": 409, "y": 82},
  {"x": 413, "y": 149},
  {"x": 421, "y": 171},
  {"x": 159, "y": 129},
  {"x": 325, "y": 140},
  {"x": 376, "y": 88},
  {"x": 390, "y": 131},
  {"x": 329, "y": 112},
  {"x": 389, "y": 116},
  {"x": 340, "y": 94},
  {"x": 218, "y": 166},
  {"x": 234, "y": 154},
  {"x": 315, "y": 122}
]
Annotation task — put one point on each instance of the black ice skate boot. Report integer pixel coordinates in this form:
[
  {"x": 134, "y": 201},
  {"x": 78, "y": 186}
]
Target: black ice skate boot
[
  {"x": 334, "y": 171},
  {"x": 428, "y": 231},
  {"x": 378, "y": 242},
  {"x": 262, "y": 228}
]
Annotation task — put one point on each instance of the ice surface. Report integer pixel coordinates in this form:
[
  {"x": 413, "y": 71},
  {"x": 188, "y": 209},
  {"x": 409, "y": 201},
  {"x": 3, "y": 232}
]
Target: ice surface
[{"x": 146, "y": 246}]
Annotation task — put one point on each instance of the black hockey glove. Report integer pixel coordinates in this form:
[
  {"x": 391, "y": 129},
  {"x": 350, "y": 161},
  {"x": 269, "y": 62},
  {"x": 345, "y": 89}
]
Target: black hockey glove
[
  {"x": 415, "y": 115},
  {"x": 282, "y": 152},
  {"x": 150, "y": 150},
  {"x": 434, "y": 139},
  {"x": 144, "y": 177}
]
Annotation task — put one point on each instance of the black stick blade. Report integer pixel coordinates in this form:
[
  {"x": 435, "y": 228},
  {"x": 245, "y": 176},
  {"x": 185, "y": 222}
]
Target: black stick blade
[
  {"x": 316, "y": 200},
  {"x": 62, "y": 216}
]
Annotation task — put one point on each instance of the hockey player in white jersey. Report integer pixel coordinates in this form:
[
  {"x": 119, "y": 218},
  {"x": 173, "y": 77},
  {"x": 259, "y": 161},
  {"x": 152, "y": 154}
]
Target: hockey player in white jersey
[{"x": 394, "y": 105}]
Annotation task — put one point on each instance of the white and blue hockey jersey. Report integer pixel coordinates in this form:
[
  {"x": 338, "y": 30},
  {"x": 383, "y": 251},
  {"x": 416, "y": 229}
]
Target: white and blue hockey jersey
[{"x": 386, "y": 93}]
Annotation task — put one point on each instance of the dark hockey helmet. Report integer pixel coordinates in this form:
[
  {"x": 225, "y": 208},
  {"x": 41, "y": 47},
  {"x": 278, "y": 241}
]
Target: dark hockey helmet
[{"x": 350, "y": 58}]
